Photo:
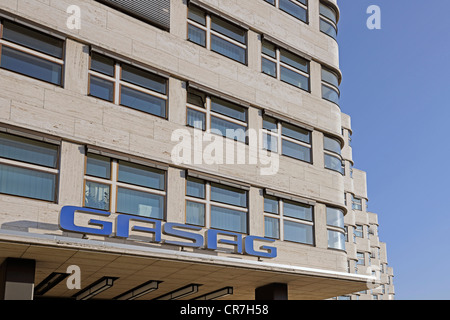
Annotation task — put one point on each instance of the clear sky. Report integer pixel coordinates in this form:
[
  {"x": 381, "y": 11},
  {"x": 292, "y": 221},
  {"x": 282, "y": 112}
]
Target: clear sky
[{"x": 395, "y": 86}]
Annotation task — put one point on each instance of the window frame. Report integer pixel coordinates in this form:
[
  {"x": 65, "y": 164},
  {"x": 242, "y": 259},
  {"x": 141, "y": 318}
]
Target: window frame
[
  {"x": 278, "y": 134},
  {"x": 209, "y": 33},
  {"x": 55, "y": 171},
  {"x": 33, "y": 52},
  {"x": 114, "y": 186},
  {"x": 326, "y": 19},
  {"x": 336, "y": 229},
  {"x": 282, "y": 218},
  {"x": 330, "y": 85},
  {"x": 331, "y": 153},
  {"x": 276, "y": 4},
  {"x": 118, "y": 83},
  {"x": 208, "y": 203},
  {"x": 280, "y": 64},
  {"x": 209, "y": 113}
]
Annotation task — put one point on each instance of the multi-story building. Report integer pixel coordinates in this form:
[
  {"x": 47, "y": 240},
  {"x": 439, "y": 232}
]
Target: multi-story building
[{"x": 178, "y": 149}]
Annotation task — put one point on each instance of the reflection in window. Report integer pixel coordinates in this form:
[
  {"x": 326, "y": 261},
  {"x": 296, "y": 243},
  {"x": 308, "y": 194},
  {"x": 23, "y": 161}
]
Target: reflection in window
[
  {"x": 285, "y": 66},
  {"x": 28, "y": 168},
  {"x": 295, "y": 218},
  {"x": 217, "y": 34},
  {"x": 31, "y": 53},
  {"x": 137, "y": 189},
  {"x": 225, "y": 118},
  {"x": 225, "y": 207},
  {"x": 127, "y": 85}
]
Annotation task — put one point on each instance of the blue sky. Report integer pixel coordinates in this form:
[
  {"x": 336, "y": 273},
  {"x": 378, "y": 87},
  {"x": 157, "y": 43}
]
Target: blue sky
[{"x": 395, "y": 86}]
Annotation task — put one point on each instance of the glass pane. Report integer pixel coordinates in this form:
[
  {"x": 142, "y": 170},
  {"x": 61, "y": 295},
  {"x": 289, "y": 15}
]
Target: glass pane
[
  {"x": 102, "y": 89},
  {"x": 27, "y": 150},
  {"x": 229, "y": 109},
  {"x": 270, "y": 123},
  {"x": 328, "y": 12},
  {"x": 229, "y": 195},
  {"x": 196, "y": 35},
  {"x": 228, "y": 49},
  {"x": 270, "y": 1},
  {"x": 332, "y": 145},
  {"x": 328, "y": 28},
  {"x": 102, "y": 64},
  {"x": 195, "y": 188},
  {"x": 144, "y": 79},
  {"x": 272, "y": 228},
  {"x": 330, "y": 94},
  {"x": 293, "y": 9},
  {"x": 31, "y": 66},
  {"x": 269, "y": 49},
  {"x": 227, "y": 219},
  {"x": 269, "y": 67},
  {"x": 297, "y": 210},
  {"x": 298, "y": 232},
  {"x": 296, "y": 151},
  {"x": 97, "y": 195},
  {"x": 27, "y": 183},
  {"x": 196, "y": 98},
  {"x": 228, "y": 29},
  {"x": 228, "y": 129},
  {"x": 142, "y": 101},
  {"x": 195, "y": 213},
  {"x": 336, "y": 240},
  {"x": 98, "y": 166},
  {"x": 296, "y": 133},
  {"x": 141, "y": 176},
  {"x": 271, "y": 204},
  {"x": 333, "y": 163},
  {"x": 196, "y": 119},
  {"x": 294, "y": 61},
  {"x": 335, "y": 217},
  {"x": 270, "y": 142},
  {"x": 140, "y": 203},
  {"x": 196, "y": 14},
  {"x": 294, "y": 78},
  {"x": 330, "y": 77},
  {"x": 33, "y": 39}
]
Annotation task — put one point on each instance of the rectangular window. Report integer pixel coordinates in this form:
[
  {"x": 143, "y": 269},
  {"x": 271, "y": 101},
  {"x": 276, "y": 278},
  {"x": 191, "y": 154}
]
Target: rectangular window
[
  {"x": 127, "y": 85},
  {"x": 288, "y": 220},
  {"x": 358, "y": 231},
  {"x": 336, "y": 229},
  {"x": 124, "y": 187},
  {"x": 333, "y": 159},
  {"x": 217, "y": 206},
  {"x": 285, "y": 66},
  {"x": 28, "y": 168},
  {"x": 216, "y": 34},
  {"x": 31, "y": 53},
  {"x": 287, "y": 139},
  {"x": 356, "y": 203},
  {"x": 296, "y": 8},
  {"x": 361, "y": 259},
  {"x": 330, "y": 86},
  {"x": 328, "y": 20},
  {"x": 207, "y": 112}
]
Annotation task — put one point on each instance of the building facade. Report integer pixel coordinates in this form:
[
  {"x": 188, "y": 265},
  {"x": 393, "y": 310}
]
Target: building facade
[{"x": 179, "y": 149}]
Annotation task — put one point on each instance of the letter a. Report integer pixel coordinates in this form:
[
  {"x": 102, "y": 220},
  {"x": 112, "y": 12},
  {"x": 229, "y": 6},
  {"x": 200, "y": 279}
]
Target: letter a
[
  {"x": 74, "y": 280},
  {"x": 74, "y": 21},
  {"x": 374, "y": 21}
]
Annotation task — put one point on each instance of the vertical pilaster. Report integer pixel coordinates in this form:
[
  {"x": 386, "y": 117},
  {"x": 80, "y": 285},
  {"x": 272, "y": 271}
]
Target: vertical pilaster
[{"x": 17, "y": 279}]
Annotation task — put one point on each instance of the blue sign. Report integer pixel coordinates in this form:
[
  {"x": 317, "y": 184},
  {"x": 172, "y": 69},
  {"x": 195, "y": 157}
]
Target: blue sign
[{"x": 243, "y": 244}]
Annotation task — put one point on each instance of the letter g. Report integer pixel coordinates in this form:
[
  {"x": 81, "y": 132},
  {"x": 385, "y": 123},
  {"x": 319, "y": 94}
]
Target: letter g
[{"x": 67, "y": 221}]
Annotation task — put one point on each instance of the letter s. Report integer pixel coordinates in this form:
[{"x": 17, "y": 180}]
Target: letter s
[
  {"x": 170, "y": 229},
  {"x": 67, "y": 223}
]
